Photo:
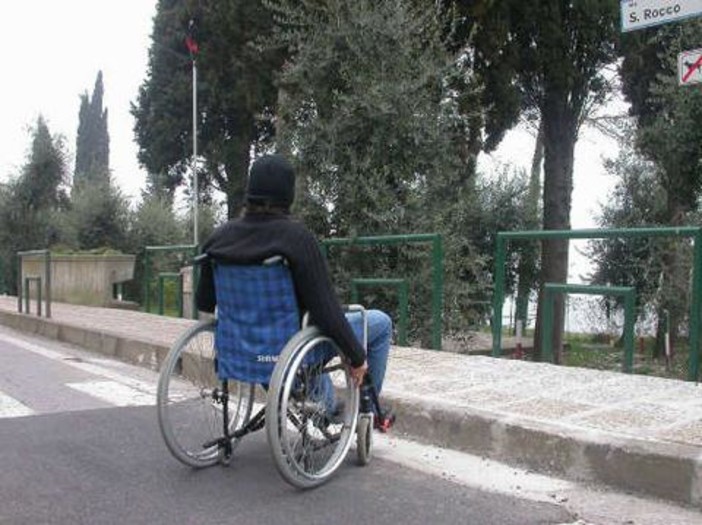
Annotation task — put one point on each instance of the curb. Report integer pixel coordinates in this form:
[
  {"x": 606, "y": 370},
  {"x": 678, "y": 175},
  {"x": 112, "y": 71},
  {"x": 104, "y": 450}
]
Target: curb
[
  {"x": 134, "y": 351},
  {"x": 664, "y": 470}
]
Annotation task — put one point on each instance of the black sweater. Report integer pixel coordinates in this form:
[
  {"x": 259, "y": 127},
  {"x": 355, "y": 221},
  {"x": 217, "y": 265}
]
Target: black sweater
[{"x": 256, "y": 237}]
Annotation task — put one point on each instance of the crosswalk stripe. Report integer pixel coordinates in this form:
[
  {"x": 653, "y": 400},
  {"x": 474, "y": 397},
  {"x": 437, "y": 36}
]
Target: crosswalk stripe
[
  {"x": 114, "y": 393},
  {"x": 10, "y": 407},
  {"x": 65, "y": 358}
]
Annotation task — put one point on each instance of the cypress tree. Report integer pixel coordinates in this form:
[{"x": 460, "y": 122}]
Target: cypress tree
[{"x": 93, "y": 140}]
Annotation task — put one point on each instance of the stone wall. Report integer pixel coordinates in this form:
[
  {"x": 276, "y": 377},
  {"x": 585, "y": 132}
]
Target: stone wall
[{"x": 80, "y": 278}]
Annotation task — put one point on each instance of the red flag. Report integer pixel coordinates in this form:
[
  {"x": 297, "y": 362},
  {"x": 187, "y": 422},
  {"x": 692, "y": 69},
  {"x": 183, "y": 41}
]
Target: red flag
[{"x": 190, "y": 39}]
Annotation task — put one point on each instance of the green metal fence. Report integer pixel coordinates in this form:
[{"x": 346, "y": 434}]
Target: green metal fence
[
  {"x": 188, "y": 249},
  {"x": 629, "y": 294},
  {"x": 695, "y": 233},
  {"x": 46, "y": 254},
  {"x": 177, "y": 278},
  {"x": 437, "y": 256},
  {"x": 402, "y": 298}
]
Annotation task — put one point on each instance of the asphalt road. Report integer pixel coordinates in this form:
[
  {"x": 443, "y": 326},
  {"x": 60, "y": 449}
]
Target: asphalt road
[{"x": 79, "y": 444}]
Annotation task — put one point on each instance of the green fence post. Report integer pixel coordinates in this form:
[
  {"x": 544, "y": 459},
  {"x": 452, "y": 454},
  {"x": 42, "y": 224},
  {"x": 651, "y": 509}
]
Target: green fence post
[
  {"x": 547, "y": 332},
  {"x": 48, "y": 284},
  {"x": 19, "y": 282},
  {"x": 402, "y": 297},
  {"x": 179, "y": 295},
  {"x": 694, "y": 359},
  {"x": 26, "y": 295},
  {"x": 195, "y": 282},
  {"x": 354, "y": 291},
  {"x": 629, "y": 331},
  {"x": 147, "y": 277},
  {"x": 39, "y": 296},
  {"x": 404, "y": 314},
  {"x": 498, "y": 297},
  {"x": 160, "y": 295},
  {"x": 437, "y": 292}
]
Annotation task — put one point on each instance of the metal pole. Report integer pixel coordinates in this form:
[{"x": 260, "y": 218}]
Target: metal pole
[
  {"x": 629, "y": 314},
  {"x": 547, "y": 331},
  {"x": 48, "y": 284},
  {"x": 498, "y": 296},
  {"x": 196, "y": 239},
  {"x": 694, "y": 357},
  {"x": 404, "y": 313},
  {"x": 437, "y": 293},
  {"x": 19, "y": 283},
  {"x": 194, "y": 284},
  {"x": 147, "y": 276}
]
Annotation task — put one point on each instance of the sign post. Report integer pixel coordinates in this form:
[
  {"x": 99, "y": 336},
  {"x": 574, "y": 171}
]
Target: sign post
[
  {"x": 690, "y": 67},
  {"x": 637, "y": 14}
]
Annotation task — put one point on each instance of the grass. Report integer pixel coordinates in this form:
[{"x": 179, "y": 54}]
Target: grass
[{"x": 591, "y": 352}]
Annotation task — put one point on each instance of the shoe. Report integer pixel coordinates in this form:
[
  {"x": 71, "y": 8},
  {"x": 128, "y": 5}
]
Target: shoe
[{"x": 384, "y": 421}]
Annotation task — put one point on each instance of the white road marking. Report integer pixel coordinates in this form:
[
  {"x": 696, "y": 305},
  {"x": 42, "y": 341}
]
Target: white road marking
[
  {"x": 590, "y": 504},
  {"x": 144, "y": 387},
  {"x": 469, "y": 470},
  {"x": 10, "y": 407},
  {"x": 114, "y": 393}
]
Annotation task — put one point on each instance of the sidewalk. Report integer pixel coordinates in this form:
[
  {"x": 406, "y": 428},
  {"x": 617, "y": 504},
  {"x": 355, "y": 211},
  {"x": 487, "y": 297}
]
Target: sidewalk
[{"x": 635, "y": 433}]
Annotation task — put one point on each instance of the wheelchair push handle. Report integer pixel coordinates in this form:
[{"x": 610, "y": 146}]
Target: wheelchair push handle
[
  {"x": 364, "y": 313},
  {"x": 348, "y": 308}
]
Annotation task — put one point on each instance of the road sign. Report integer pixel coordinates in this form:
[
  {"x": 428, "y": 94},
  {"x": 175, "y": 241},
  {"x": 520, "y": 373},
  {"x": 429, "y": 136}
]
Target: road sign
[
  {"x": 637, "y": 14},
  {"x": 690, "y": 67}
]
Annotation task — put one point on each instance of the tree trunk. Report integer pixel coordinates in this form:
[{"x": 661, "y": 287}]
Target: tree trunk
[
  {"x": 237, "y": 167},
  {"x": 671, "y": 310},
  {"x": 560, "y": 134},
  {"x": 528, "y": 258}
]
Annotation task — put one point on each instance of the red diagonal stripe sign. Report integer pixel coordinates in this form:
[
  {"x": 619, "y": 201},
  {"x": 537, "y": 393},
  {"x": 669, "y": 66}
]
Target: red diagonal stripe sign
[{"x": 690, "y": 67}]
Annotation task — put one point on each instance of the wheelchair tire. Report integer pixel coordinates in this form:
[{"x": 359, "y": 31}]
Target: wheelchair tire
[
  {"x": 307, "y": 442},
  {"x": 190, "y": 412},
  {"x": 364, "y": 438}
]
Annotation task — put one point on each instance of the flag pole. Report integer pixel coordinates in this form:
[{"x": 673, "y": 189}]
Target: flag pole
[
  {"x": 196, "y": 240},
  {"x": 191, "y": 44}
]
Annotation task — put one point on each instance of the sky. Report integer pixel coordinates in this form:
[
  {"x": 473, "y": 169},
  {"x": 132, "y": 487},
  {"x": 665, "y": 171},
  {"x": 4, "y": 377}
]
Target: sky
[
  {"x": 52, "y": 53},
  {"x": 54, "y": 49}
]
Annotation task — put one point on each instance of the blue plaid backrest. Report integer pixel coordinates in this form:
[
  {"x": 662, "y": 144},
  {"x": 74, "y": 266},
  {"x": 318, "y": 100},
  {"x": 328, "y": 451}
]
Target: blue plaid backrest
[{"x": 257, "y": 313}]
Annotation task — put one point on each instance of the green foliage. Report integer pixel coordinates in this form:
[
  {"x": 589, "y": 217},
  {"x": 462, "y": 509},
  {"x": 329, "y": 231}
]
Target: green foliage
[
  {"x": 369, "y": 112},
  {"x": 98, "y": 217},
  {"x": 30, "y": 202},
  {"x": 672, "y": 136},
  {"x": 155, "y": 224},
  {"x": 637, "y": 200},
  {"x": 235, "y": 95},
  {"x": 362, "y": 110},
  {"x": 93, "y": 140}
]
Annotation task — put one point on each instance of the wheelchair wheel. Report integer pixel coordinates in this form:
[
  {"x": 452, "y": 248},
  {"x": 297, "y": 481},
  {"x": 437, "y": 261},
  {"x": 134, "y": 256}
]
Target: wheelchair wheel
[
  {"x": 190, "y": 401},
  {"x": 364, "y": 438},
  {"x": 309, "y": 434}
]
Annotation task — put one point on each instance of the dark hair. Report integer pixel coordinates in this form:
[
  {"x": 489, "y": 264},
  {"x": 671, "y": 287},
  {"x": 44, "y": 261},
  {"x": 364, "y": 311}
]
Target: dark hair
[{"x": 264, "y": 208}]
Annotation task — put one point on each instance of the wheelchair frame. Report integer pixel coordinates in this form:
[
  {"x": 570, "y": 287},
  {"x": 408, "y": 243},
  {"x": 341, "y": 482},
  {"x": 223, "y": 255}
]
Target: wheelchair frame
[{"x": 283, "y": 414}]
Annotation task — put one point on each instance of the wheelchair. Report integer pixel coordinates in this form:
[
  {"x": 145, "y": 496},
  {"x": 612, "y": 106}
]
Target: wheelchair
[{"x": 310, "y": 408}]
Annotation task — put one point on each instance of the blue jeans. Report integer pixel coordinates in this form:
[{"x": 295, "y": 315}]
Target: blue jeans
[{"x": 379, "y": 338}]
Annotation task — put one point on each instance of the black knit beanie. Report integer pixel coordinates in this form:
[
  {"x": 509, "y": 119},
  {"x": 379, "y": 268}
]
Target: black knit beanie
[{"x": 272, "y": 181}]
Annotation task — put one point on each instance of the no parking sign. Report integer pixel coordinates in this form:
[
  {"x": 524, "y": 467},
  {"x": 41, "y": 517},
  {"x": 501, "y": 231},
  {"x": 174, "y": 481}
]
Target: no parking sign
[{"x": 690, "y": 67}]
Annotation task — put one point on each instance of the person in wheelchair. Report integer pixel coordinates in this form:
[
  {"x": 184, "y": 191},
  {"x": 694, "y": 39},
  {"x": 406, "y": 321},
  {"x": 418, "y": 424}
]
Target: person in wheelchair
[{"x": 267, "y": 230}]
